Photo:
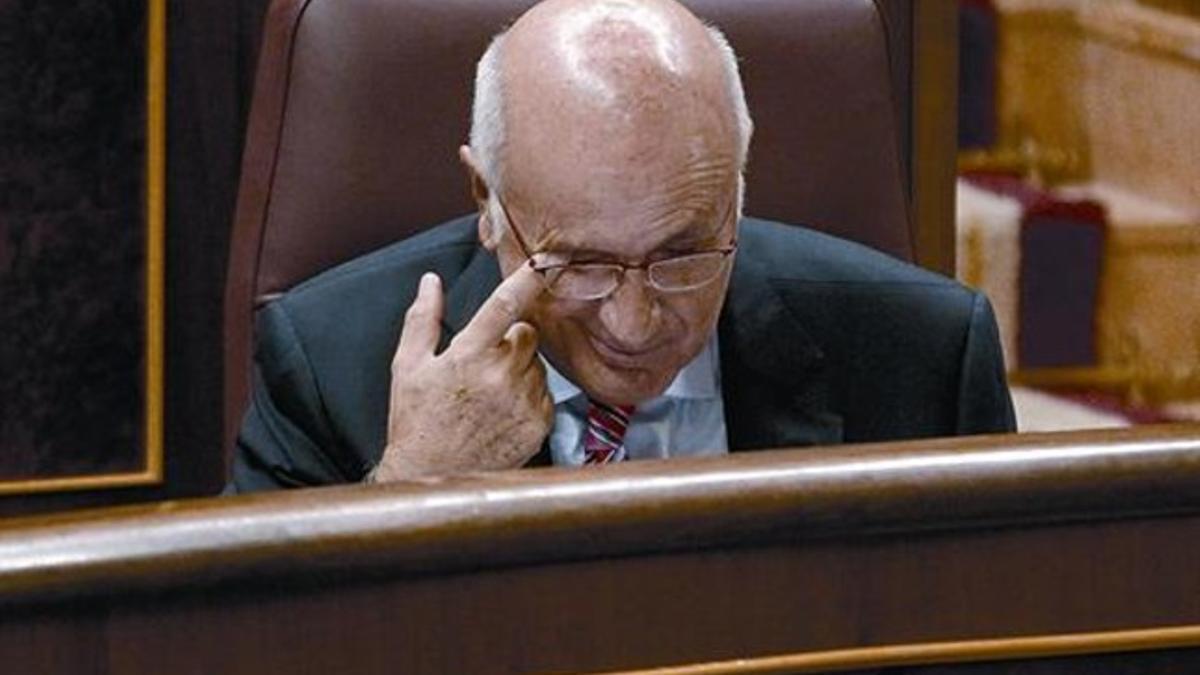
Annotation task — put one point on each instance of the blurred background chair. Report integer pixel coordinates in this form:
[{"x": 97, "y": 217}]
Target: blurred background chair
[{"x": 359, "y": 107}]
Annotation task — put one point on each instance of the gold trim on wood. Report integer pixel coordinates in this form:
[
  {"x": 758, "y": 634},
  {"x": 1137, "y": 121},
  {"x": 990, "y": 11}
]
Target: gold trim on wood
[
  {"x": 934, "y": 653},
  {"x": 155, "y": 317},
  {"x": 156, "y": 209},
  {"x": 1032, "y": 161}
]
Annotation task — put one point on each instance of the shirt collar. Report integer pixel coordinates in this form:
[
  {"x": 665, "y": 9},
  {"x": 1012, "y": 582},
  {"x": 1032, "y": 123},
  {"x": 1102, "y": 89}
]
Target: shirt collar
[{"x": 700, "y": 378}]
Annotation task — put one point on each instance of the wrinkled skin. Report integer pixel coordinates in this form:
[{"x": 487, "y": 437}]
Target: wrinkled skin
[{"x": 482, "y": 403}]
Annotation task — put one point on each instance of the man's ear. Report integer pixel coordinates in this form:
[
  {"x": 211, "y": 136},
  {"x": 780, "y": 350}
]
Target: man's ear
[
  {"x": 479, "y": 188},
  {"x": 488, "y": 232}
]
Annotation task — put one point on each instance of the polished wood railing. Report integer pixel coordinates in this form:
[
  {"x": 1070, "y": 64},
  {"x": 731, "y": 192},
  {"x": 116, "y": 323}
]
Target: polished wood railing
[{"x": 648, "y": 564}]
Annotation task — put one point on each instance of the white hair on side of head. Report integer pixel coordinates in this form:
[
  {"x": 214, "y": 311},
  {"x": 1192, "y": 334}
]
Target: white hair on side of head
[
  {"x": 741, "y": 111},
  {"x": 737, "y": 95},
  {"x": 487, "y": 112}
]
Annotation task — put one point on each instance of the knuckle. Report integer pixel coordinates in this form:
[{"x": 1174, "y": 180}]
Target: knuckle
[
  {"x": 494, "y": 378},
  {"x": 455, "y": 366},
  {"x": 401, "y": 362},
  {"x": 506, "y": 304},
  {"x": 415, "y": 311},
  {"x": 526, "y": 334}
]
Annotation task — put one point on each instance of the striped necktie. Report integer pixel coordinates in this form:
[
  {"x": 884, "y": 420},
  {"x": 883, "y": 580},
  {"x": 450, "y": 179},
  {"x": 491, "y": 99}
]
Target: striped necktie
[{"x": 604, "y": 441}]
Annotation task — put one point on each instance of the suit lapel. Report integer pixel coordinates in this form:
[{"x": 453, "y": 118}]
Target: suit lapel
[
  {"x": 469, "y": 291},
  {"x": 773, "y": 378}
]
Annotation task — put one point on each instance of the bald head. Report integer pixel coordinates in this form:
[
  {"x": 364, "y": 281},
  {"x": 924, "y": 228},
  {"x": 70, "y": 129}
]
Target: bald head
[
  {"x": 609, "y": 53},
  {"x": 615, "y": 81},
  {"x": 613, "y": 132}
]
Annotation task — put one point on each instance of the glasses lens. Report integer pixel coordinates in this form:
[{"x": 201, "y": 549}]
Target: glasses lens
[
  {"x": 583, "y": 282},
  {"x": 686, "y": 272}
]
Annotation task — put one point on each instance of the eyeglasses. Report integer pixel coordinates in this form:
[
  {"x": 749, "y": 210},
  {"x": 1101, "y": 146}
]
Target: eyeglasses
[{"x": 596, "y": 281}]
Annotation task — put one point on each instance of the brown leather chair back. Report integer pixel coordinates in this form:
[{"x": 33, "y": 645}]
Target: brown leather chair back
[{"x": 360, "y": 105}]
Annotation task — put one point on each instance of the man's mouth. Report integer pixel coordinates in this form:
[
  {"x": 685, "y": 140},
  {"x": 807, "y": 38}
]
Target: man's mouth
[{"x": 618, "y": 357}]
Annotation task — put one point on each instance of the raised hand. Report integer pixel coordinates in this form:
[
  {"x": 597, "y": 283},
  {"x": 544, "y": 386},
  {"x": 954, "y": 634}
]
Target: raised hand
[{"x": 481, "y": 404}]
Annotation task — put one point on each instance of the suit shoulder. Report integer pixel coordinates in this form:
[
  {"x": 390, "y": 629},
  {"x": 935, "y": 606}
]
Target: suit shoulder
[
  {"x": 799, "y": 254},
  {"x": 454, "y": 240},
  {"x": 835, "y": 282}
]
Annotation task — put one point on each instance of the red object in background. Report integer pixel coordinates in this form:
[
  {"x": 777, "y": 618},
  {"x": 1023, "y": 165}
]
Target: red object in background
[{"x": 1062, "y": 258}]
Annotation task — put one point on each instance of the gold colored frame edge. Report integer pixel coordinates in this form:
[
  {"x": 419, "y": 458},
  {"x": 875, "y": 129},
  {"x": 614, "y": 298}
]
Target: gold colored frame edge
[
  {"x": 941, "y": 653},
  {"x": 155, "y": 325}
]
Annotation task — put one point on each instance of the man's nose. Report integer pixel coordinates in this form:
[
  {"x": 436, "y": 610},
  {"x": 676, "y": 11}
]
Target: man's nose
[{"x": 631, "y": 314}]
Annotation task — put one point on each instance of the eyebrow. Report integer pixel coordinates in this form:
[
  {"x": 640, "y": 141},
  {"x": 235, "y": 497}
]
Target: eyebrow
[{"x": 688, "y": 238}]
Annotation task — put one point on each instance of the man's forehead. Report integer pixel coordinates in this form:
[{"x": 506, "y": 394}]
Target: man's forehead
[
  {"x": 642, "y": 194},
  {"x": 590, "y": 160},
  {"x": 627, "y": 232}
]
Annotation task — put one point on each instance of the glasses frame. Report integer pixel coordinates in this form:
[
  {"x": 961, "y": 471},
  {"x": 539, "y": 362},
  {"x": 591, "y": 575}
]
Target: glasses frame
[{"x": 544, "y": 268}]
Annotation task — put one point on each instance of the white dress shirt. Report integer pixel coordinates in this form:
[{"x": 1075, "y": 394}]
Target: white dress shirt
[{"x": 686, "y": 420}]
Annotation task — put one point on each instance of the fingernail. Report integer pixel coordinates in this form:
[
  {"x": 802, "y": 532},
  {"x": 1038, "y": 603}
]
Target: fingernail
[{"x": 429, "y": 281}]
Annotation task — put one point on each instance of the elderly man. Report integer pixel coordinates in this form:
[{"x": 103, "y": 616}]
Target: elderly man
[{"x": 608, "y": 301}]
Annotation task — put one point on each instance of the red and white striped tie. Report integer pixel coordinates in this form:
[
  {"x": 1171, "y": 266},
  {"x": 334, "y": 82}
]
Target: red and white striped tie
[{"x": 604, "y": 441}]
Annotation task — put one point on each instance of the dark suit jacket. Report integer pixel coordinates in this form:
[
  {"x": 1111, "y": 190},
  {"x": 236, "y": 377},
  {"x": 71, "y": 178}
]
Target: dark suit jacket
[{"x": 821, "y": 341}]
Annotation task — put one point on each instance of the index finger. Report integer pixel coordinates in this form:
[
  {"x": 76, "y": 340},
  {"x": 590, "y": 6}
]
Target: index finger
[{"x": 507, "y": 305}]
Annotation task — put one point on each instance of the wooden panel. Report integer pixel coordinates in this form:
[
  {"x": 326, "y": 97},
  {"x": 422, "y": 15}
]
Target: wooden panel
[
  {"x": 688, "y": 561},
  {"x": 982, "y": 656},
  {"x": 81, "y": 245},
  {"x": 934, "y": 131},
  {"x": 211, "y": 52}
]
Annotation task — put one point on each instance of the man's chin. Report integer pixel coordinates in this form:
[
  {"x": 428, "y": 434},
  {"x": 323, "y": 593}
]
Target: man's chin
[{"x": 621, "y": 386}]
